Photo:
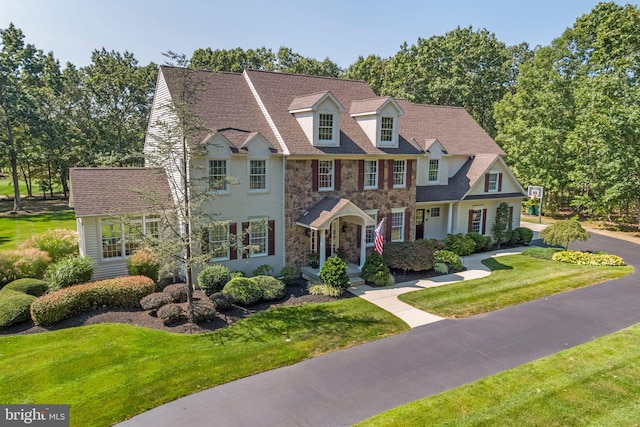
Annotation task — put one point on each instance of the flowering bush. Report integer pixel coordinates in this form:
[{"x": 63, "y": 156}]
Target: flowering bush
[
  {"x": 144, "y": 262},
  {"x": 123, "y": 292},
  {"x": 57, "y": 243},
  {"x": 587, "y": 258}
]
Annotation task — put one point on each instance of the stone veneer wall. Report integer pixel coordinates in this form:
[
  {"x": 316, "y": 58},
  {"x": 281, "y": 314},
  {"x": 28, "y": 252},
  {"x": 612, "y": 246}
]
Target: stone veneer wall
[{"x": 299, "y": 197}]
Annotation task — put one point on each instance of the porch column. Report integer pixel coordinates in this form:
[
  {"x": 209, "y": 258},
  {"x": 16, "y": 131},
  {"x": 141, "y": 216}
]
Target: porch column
[
  {"x": 450, "y": 219},
  {"x": 323, "y": 244},
  {"x": 363, "y": 244}
]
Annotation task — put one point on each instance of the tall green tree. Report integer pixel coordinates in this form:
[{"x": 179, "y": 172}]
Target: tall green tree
[
  {"x": 372, "y": 69},
  {"x": 21, "y": 68}
]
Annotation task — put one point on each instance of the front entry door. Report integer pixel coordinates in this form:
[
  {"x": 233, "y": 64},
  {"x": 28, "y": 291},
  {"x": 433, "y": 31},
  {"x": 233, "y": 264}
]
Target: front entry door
[{"x": 419, "y": 223}]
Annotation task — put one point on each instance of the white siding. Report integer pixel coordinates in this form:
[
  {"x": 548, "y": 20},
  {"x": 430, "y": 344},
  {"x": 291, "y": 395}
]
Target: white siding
[
  {"x": 509, "y": 184},
  {"x": 103, "y": 269}
]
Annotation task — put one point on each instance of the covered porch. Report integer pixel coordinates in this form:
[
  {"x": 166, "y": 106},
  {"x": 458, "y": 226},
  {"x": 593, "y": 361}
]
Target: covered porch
[{"x": 336, "y": 227}]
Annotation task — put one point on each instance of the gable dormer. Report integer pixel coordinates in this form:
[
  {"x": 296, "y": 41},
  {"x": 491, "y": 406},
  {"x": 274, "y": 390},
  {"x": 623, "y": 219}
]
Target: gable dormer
[
  {"x": 379, "y": 119},
  {"x": 319, "y": 117}
]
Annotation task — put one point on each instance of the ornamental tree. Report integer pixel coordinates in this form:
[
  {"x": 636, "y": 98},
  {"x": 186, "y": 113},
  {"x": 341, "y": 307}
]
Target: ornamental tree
[{"x": 564, "y": 232}]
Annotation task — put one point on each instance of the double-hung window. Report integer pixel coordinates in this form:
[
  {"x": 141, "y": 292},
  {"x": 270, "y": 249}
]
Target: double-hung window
[
  {"x": 219, "y": 241},
  {"x": 258, "y": 238},
  {"x": 434, "y": 165},
  {"x": 218, "y": 175},
  {"x": 492, "y": 184},
  {"x": 257, "y": 175},
  {"x": 399, "y": 173},
  {"x": 325, "y": 175},
  {"x": 370, "y": 231},
  {"x": 476, "y": 221},
  {"x": 325, "y": 127},
  {"x": 397, "y": 225},
  {"x": 370, "y": 174},
  {"x": 386, "y": 129}
]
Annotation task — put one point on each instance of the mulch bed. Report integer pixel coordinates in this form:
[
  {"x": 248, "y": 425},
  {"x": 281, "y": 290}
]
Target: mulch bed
[{"x": 297, "y": 294}]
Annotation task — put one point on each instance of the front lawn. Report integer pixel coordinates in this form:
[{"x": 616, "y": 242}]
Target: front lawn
[
  {"x": 514, "y": 279},
  {"x": 595, "y": 384},
  {"x": 15, "y": 229},
  {"x": 110, "y": 372}
]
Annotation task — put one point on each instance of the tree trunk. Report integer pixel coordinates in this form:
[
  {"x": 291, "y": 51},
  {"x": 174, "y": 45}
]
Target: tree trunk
[
  {"x": 50, "y": 179},
  {"x": 63, "y": 182},
  {"x": 13, "y": 160}
]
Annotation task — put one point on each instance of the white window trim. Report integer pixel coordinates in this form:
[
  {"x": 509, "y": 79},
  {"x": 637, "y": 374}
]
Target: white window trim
[
  {"x": 228, "y": 242},
  {"x": 266, "y": 238},
  {"x": 333, "y": 176},
  {"x": 226, "y": 189},
  {"x": 266, "y": 176},
  {"x": 429, "y": 180},
  {"x": 404, "y": 175},
  {"x": 398, "y": 211},
  {"x": 481, "y": 210},
  {"x": 335, "y": 130},
  {"x": 376, "y": 175},
  {"x": 373, "y": 214},
  {"x": 394, "y": 127},
  {"x": 144, "y": 220},
  {"x": 496, "y": 174}
]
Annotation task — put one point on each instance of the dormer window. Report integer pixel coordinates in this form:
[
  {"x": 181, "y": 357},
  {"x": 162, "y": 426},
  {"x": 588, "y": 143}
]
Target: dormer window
[
  {"x": 325, "y": 127},
  {"x": 386, "y": 129},
  {"x": 319, "y": 118}
]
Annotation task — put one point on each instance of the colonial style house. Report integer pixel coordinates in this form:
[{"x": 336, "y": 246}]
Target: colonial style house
[{"x": 321, "y": 161}]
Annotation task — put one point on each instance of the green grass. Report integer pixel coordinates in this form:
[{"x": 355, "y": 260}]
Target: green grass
[
  {"x": 15, "y": 229},
  {"x": 111, "y": 372},
  {"x": 514, "y": 279},
  {"x": 595, "y": 384},
  {"x": 6, "y": 188}
]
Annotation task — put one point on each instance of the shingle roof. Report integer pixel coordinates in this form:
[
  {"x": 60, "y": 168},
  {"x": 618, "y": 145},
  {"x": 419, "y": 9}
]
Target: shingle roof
[
  {"x": 227, "y": 101},
  {"x": 102, "y": 191},
  {"x": 320, "y": 214}
]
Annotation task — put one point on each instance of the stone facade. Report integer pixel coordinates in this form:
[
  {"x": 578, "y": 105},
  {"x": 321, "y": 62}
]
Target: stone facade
[{"x": 299, "y": 197}]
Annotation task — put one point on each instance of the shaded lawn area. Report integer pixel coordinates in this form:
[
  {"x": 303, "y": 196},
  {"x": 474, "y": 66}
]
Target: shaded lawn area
[
  {"x": 514, "y": 279},
  {"x": 596, "y": 384},
  {"x": 110, "y": 372},
  {"x": 15, "y": 229}
]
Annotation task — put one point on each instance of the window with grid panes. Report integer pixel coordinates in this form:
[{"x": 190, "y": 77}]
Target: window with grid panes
[
  {"x": 386, "y": 129},
  {"x": 325, "y": 127},
  {"x": 399, "y": 173},
  {"x": 257, "y": 175},
  {"x": 434, "y": 165},
  {"x": 435, "y": 212},
  {"x": 218, "y": 175},
  {"x": 493, "y": 181},
  {"x": 219, "y": 241},
  {"x": 476, "y": 221},
  {"x": 325, "y": 175},
  {"x": 370, "y": 230},
  {"x": 397, "y": 226},
  {"x": 370, "y": 174}
]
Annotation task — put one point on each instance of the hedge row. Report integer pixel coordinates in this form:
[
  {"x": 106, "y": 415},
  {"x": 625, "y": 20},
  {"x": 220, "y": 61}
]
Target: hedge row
[
  {"x": 587, "y": 258},
  {"x": 16, "y": 298},
  {"x": 123, "y": 292}
]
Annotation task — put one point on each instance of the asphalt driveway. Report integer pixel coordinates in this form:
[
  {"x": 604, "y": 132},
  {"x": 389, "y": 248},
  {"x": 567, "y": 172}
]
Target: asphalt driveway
[{"x": 344, "y": 387}]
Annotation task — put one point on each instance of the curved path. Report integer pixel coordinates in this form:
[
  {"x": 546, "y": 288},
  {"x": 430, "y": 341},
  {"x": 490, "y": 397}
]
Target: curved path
[{"x": 341, "y": 388}]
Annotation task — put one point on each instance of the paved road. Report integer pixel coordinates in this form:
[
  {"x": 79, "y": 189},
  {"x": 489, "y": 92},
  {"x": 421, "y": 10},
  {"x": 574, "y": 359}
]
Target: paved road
[{"x": 342, "y": 388}]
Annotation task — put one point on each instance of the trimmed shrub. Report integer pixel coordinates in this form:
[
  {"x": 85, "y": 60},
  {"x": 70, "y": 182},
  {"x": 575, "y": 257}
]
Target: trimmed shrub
[
  {"x": 144, "y": 262},
  {"x": 324, "y": 289},
  {"x": 177, "y": 291},
  {"x": 483, "y": 243},
  {"x": 155, "y": 300},
  {"x": 222, "y": 302},
  {"x": 289, "y": 274},
  {"x": 525, "y": 235},
  {"x": 213, "y": 278},
  {"x": 235, "y": 274},
  {"x": 334, "y": 273},
  {"x": 413, "y": 256},
  {"x": 587, "y": 258},
  {"x": 542, "y": 253},
  {"x": 28, "y": 286},
  {"x": 264, "y": 270},
  {"x": 243, "y": 290},
  {"x": 460, "y": 244},
  {"x": 121, "y": 292},
  {"x": 448, "y": 258},
  {"x": 202, "y": 311},
  {"x": 170, "y": 314},
  {"x": 57, "y": 243},
  {"x": 14, "y": 307},
  {"x": 272, "y": 288},
  {"x": 375, "y": 271},
  {"x": 68, "y": 272}
]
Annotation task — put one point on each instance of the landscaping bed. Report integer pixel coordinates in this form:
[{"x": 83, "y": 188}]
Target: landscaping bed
[{"x": 297, "y": 294}]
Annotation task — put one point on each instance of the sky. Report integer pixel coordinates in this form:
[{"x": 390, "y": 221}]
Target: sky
[{"x": 341, "y": 30}]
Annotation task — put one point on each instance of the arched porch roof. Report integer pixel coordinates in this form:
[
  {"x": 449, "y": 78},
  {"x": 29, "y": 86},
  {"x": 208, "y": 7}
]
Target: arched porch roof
[{"x": 320, "y": 215}]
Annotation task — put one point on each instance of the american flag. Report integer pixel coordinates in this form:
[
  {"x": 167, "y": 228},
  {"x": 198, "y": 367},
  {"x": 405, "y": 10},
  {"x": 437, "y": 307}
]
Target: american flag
[{"x": 379, "y": 242}]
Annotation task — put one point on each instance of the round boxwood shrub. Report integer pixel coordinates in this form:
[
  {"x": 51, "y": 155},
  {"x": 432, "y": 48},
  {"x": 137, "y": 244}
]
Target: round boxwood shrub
[
  {"x": 213, "y": 278},
  {"x": 272, "y": 288},
  {"x": 155, "y": 300},
  {"x": 289, "y": 274},
  {"x": 243, "y": 290},
  {"x": 483, "y": 243},
  {"x": 170, "y": 314},
  {"x": 525, "y": 235},
  {"x": 202, "y": 310},
  {"x": 68, "y": 272},
  {"x": 35, "y": 287},
  {"x": 334, "y": 273},
  {"x": 222, "y": 302},
  {"x": 177, "y": 291},
  {"x": 460, "y": 244},
  {"x": 144, "y": 262},
  {"x": 14, "y": 307}
]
